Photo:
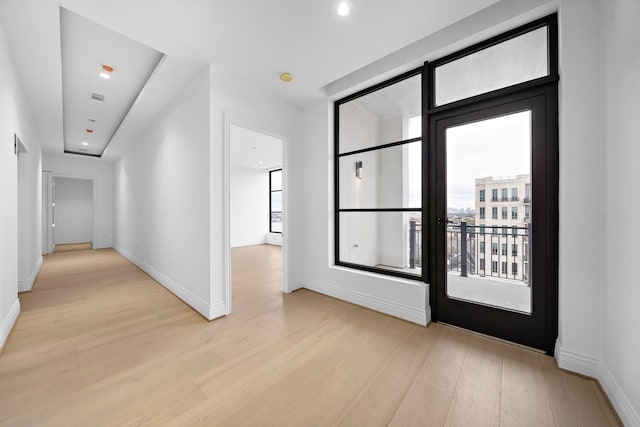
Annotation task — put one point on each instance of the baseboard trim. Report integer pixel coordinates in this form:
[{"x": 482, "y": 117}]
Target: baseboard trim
[
  {"x": 578, "y": 363},
  {"x": 591, "y": 367},
  {"x": 8, "y": 323},
  {"x": 27, "y": 285},
  {"x": 627, "y": 413},
  {"x": 207, "y": 311},
  {"x": 409, "y": 314}
]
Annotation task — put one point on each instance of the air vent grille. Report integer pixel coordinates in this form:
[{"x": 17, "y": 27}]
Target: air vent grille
[{"x": 96, "y": 97}]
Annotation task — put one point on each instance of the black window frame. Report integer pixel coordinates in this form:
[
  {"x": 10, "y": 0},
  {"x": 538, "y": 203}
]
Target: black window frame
[
  {"x": 420, "y": 71},
  {"x": 271, "y": 191}
]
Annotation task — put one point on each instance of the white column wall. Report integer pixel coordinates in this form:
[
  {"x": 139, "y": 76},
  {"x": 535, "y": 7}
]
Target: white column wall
[{"x": 620, "y": 371}]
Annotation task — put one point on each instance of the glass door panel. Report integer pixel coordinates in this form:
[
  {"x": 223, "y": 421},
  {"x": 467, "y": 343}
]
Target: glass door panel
[{"x": 487, "y": 238}]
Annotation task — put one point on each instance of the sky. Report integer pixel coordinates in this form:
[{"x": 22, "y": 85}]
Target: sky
[{"x": 498, "y": 147}]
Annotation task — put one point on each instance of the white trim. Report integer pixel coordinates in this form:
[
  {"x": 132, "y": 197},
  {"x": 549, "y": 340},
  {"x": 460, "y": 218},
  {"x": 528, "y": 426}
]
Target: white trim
[
  {"x": 627, "y": 413},
  {"x": 229, "y": 119},
  {"x": 576, "y": 362},
  {"x": 414, "y": 315},
  {"x": 209, "y": 312},
  {"x": 27, "y": 285},
  {"x": 9, "y": 322}
]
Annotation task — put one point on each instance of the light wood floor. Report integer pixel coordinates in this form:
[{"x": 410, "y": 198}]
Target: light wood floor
[{"x": 100, "y": 343}]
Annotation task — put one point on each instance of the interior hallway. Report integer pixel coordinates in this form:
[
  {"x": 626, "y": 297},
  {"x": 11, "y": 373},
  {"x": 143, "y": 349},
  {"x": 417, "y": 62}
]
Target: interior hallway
[{"x": 100, "y": 343}]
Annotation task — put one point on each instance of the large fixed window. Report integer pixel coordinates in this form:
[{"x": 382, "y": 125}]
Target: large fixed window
[
  {"x": 275, "y": 201},
  {"x": 378, "y": 187}
]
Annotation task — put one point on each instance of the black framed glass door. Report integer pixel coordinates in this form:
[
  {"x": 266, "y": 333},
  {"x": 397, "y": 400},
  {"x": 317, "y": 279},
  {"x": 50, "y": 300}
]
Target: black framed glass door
[{"x": 494, "y": 184}]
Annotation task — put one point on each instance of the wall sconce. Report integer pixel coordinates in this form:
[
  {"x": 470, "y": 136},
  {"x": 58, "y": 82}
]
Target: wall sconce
[{"x": 359, "y": 169}]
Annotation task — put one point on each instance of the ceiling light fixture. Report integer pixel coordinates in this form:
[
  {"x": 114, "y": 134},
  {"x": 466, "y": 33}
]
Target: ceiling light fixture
[
  {"x": 343, "y": 9},
  {"x": 260, "y": 162},
  {"x": 105, "y": 76},
  {"x": 107, "y": 68},
  {"x": 89, "y": 130},
  {"x": 286, "y": 77},
  {"x": 85, "y": 143}
]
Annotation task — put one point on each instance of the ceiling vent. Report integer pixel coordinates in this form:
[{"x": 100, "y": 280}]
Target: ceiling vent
[
  {"x": 96, "y": 97},
  {"x": 84, "y": 150}
]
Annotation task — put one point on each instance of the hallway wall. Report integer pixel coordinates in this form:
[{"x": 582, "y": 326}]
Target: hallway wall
[
  {"x": 249, "y": 206},
  {"x": 16, "y": 261},
  {"x": 74, "y": 210},
  {"x": 162, "y": 198},
  {"x": 72, "y": 166}
]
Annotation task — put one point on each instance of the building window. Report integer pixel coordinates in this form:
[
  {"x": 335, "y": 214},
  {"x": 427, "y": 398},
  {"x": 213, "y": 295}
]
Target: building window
[
  {"x": 505, "y": 212},
  {"x": 494, "y": 266},
  {"x": 514, "y": 268},
  {"x": 481, "y": 213},
  {"x": 482, "y": 229},
  {"x": 527, "y": 193},
  {"x": 505, "y": 230},
  {"x": 514, "y": 194},
  {"x": 494, "y": 230},
  {"x": 482, "y": 195},
  {"x": 481, "y": 263},
  {"x": 494, "y": 195},
  {"x": 275, "y": 201},
  {"x": 375, "y": 229},
  {"x": 504, "y": 268},
  {"x": 482, "y": 248},
  {"x": 505, "y": 195},
  {"x": 494, "y": 249},
  {"x": 526, "y": 213},
  {"x": 494, "y": 213},
  {"x": 514, "y": 249},
  {"x": 514, "y": 213},
  {"x": 504, "y": 249}
]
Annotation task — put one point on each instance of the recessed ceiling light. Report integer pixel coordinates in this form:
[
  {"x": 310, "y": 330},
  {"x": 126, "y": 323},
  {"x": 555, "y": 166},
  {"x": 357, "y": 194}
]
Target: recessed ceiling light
[
  {"x": 107, "y": 68},
  {"x": 85, "y": 143},
  {"x": 286, "y": 77},
  {"x": 92, "y": 120},
  {"x": 105, "y": 76},
  {"x": 343, "y": 9},
  {"x": 89, "y": 130},
  {"x": 260, "y": 162}
]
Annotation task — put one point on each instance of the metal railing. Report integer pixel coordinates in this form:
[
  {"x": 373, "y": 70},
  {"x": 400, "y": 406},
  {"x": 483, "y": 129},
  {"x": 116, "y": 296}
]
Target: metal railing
[{"x": 473, "y": 251}]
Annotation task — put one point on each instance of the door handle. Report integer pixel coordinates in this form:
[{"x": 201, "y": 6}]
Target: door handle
[{"x": 446, "y": 221}]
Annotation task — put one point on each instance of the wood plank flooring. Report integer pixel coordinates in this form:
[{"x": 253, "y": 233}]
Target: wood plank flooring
[{"x": 100, "y": 343}]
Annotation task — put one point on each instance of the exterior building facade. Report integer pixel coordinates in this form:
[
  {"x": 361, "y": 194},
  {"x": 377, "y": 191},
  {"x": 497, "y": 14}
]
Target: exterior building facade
[{"x": 501, "y": 231}]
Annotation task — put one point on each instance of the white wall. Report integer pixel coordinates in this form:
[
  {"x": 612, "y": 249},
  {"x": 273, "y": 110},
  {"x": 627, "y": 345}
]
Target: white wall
[
  {"x": 15, "y": 117},
  {"x": 249, "y": 206},
  {"x": 101, "y": 171},
  {"x": 239, "y": 100},
  {"x": 620, "y": 374},
  {"x": 29, "y": 214},
  {"x": 398, "y": 297},
  {"x": 73, "y": 210},
  {"x": 162, "y": 198}
]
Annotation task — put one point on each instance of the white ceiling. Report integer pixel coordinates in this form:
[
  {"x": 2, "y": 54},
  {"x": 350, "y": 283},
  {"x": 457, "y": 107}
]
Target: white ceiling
[
  {"x": 255, "y": 39},
  {"x": 256, "y": 150},
  {"x": 86, "y": 47}
]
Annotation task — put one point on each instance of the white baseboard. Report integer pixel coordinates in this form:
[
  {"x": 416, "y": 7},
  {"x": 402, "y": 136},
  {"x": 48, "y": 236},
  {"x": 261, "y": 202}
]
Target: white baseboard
[
  {"x": 8, "y": 322},
  {"x": 209, "y": 312},
  {"x": 576, "y": 362},
  {"x": 591, "y": 367},
  {"x": 410, "y": 314},
  {"x": 27, "y": 284},
  {"x": 627, "y": 413}
]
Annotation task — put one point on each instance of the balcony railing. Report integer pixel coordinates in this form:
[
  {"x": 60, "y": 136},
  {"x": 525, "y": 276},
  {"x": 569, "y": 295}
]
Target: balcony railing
[{"x": 464, "y": 243}]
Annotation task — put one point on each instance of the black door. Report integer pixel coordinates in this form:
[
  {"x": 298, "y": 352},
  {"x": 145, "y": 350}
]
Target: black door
[{"x": 493, "y": 191}]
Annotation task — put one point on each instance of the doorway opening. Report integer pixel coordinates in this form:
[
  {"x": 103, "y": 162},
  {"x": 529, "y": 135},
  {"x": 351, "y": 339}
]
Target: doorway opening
[
  {"x": 69, "y": 213},
  {"x": 256, "y": 192}
]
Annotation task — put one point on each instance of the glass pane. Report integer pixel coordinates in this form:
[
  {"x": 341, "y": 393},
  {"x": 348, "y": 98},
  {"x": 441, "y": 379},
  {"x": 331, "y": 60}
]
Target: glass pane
[
  {"x": 276, "y": 180},
  {"x": 514, "y": 61},
  {"x": 486, "y": 266},
  {"x": 276, "y": 201},
  {"x": 276, "y": 222},
  {"x": 387, "y": 115},
  {"x": 387, "y": 240},
  {"x": 385, "y": 178}
]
